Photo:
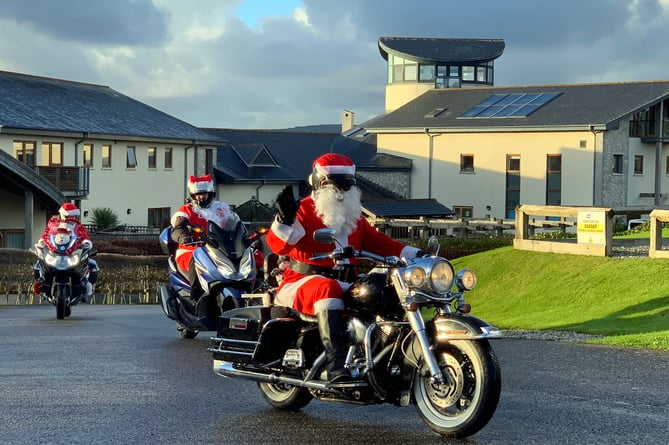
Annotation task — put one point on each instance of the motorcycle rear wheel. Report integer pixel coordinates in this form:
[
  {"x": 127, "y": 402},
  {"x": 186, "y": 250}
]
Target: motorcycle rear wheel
[
  {"x": 466, "y": 404},
  {"x": 285, "y": 397}
]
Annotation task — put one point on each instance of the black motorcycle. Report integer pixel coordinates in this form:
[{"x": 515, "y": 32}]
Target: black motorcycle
[{"x": 411, "y": 341}]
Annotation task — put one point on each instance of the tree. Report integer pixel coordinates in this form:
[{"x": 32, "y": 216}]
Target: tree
[{"x": 104, "y": 218}]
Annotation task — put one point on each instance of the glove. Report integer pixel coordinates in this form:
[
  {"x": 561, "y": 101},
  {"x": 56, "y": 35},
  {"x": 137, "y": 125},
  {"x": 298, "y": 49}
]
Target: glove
[
  {"x": 286, "y": 206},
  {"x": 186, "y": 240}
]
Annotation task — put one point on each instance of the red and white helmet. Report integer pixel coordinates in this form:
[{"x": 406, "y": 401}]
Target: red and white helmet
[
  {"x": 69, "y": 210},
  {"x": 334, "y": 169},
  {"x": 201, "y": 184}
]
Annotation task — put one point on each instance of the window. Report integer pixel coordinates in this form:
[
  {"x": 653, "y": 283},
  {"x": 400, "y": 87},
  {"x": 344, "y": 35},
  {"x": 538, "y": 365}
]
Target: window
[
  {"x": 55, "y": 152},
  {"x": 512, "y": 185},
  {"x": 618, "y": 164},
  {"x": 638, "y": 164},
  {"x": 131, "y": 158},
  {"x": 168, "y": 157},
  {"x": 666, "y": 168},
  {"x": 151, "y": 161},
  {"x": 426, "y": 73},
  {"x": 411, "y": 71},
  {"x": 87, "y": 152},
  {"x": 554, "y": 180},
  {"x": 468, "y": 73},
  {"x": 24, "y": 151},
  {"x": 106, "y": 154},
  {"x": 463, "y": 211},
  {"x": 159, "y": 217},
  {"x": 209, "y": 160},
  {"x": 466, "y": 163}
]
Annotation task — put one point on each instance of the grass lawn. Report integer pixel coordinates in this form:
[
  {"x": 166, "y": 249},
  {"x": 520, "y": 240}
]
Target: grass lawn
[{"x": 624, "y": 299}]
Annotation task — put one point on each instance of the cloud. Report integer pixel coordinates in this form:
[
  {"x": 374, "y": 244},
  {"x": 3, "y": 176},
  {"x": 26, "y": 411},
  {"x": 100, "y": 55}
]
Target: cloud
[{"x": 200, "y": 62}]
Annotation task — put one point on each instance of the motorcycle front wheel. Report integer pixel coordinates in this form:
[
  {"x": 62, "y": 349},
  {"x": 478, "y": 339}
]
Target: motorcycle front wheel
[
  {"x": 467, "y": 401},
  {"x": 285, "y": 397},
  {"x": 61, "y": 302}
]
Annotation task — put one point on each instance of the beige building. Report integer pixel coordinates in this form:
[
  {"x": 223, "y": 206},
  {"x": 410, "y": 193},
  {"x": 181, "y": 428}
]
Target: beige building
[
  {"x": 483, "y": 150},
  {"x": 96, "y": 147}
]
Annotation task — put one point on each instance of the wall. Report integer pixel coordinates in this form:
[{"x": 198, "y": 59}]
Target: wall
[
  {"x": 486, "y": 186},
  {"x": 398, "y": 94}
]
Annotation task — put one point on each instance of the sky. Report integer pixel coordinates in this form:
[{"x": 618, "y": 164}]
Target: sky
[{"x": 269, "y": 64}]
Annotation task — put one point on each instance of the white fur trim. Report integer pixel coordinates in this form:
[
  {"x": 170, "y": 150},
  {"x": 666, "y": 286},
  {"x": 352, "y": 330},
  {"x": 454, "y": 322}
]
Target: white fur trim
[
  {"x": 409, "y": 252},
  {"x": 328, "y": 304},
  {"x": 286, "y": 296},
  {"x": 288, "y": 234},
  {"x": 335, "y": 169},
  {"x": 177, "y": 214}
]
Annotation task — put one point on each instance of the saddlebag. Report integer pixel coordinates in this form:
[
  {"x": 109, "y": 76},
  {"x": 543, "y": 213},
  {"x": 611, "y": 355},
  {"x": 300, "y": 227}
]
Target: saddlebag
[{"x": 249, "y": 335}]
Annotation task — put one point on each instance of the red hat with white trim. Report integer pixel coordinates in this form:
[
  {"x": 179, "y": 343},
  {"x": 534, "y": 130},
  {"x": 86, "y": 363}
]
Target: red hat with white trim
[
  {"x": 333, "y": 169},
  {"x": 68, "y": 210},
  {"x": 200, "y": 184}
]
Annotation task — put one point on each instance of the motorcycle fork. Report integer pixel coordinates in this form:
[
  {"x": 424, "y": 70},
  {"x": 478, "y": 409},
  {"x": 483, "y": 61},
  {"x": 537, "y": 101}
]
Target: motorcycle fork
[{"x": 418, "y": 325}]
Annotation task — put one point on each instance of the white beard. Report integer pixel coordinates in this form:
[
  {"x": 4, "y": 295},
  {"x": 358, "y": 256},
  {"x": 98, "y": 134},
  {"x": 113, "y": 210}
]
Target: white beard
[{"x": 338, "y": 210}]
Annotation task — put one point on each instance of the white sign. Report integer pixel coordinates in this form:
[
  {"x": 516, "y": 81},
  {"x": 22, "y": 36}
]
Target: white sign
[{"x": 591, "y": 227}]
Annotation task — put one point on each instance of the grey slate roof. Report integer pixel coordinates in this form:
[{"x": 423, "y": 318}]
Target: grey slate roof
[
  {"x": 580, "y": 105},
  {"x": 440, "y": 51},
  {"x": 248, "y": 155},
  {"x": 407, "y": 208},
  {"x": 46, "y": 104}
]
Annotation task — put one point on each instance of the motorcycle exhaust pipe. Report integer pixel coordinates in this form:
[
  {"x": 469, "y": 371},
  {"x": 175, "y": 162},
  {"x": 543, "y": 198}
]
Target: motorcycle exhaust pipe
[{"x": 225, "y": 369}]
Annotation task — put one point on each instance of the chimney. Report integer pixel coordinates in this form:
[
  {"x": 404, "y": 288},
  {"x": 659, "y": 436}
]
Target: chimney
[{"x": 347, "y": 120}]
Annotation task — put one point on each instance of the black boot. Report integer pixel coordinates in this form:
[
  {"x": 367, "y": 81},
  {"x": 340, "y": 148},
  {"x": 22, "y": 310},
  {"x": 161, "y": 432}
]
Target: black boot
[{"x": 331, "y": 330}]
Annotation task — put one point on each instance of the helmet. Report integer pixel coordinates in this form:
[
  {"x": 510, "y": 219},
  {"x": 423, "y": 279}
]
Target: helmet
[
  {"x": 334, "y": 169},
  {"x": 201, "y": 184},
  {"x": 68, "y": 210}
]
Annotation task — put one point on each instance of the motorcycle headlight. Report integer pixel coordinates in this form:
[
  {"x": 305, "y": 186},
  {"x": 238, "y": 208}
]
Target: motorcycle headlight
[
  {"x": 415, "y": 277},
  {"x": 430, "y": 275},
  {"x": 466, "y": 279}
]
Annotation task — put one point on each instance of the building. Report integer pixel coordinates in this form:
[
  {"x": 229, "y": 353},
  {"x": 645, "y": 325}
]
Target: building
[
  {"x": 484, "y": 150},
  {"x": 94, "y": 146}
]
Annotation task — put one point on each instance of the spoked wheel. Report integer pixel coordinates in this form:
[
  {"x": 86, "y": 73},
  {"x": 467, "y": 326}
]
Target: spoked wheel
[
  {"x": 465, "y": 404},
  {"x": 285, "y": 397},
  {"x": 185, "y": 332}
]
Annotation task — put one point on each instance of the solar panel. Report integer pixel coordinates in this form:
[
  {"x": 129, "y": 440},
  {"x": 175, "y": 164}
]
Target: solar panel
[{"x": 509, "y": 105}]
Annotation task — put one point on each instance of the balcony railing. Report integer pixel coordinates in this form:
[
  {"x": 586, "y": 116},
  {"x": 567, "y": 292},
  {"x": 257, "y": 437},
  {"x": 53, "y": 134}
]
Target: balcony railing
[{"x": 72, "y": 181}]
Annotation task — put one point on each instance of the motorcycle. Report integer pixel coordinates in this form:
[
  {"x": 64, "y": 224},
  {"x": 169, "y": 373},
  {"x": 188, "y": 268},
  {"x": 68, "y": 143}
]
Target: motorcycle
[
  {"x": 411, "y": 341},
  {"x": 226, "y": 270},
  {"x": 66, "y": 258}
]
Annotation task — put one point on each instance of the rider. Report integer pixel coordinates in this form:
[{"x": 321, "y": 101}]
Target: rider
[
  {"x": 307, "y": 285},
  {"x": 68, "y": 218},
  {"x": 197, "y": 210}
]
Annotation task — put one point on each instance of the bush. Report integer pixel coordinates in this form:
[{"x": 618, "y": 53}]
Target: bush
[{"x": 104, "y": 218}]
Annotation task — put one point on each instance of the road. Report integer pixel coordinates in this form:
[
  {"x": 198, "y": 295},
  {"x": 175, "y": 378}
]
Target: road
[{"x": 120, "y": 374}]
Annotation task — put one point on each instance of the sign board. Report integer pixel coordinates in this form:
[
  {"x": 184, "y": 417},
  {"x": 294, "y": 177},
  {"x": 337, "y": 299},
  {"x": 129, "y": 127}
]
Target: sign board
[{"x": 591, "y": 227}]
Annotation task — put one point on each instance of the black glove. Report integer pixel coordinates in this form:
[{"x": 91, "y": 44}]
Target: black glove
[
  {"x": 286, "y": 206},
  {"x": 186, "y": 240}
]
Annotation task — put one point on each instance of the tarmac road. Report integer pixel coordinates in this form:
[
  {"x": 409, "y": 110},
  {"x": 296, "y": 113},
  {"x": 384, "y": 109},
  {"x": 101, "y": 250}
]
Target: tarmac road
[{"x": 120, "y": 374}]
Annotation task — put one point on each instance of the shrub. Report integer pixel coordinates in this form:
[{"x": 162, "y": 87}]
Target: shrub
[{"x": 104, "y": 218}]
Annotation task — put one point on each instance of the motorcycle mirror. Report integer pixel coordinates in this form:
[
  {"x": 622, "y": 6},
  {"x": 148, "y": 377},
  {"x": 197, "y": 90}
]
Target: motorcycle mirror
[
  {"x": 433, "y": 245},
  {"x": 325, "y": 236}
]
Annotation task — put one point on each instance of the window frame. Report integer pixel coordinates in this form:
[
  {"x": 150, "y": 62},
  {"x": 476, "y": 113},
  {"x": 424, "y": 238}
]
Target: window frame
[
  {"x": 152, "y": 158},
  {"x": 106, "y": 160},
  {"x": 467, "y": 166},
  {"x": 23, "y": 153},
  {"x": 168, "y": 153},
  {"x": 131, "y": 157},
  {"x": 638, "y": 164},
  {"x": 84, "y": 162}
]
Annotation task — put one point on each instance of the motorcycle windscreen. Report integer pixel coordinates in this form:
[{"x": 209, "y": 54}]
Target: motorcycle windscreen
[{"x": 230, "y": 239}]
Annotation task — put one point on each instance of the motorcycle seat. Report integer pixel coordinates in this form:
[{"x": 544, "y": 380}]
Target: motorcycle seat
[{"x": 288, "y": 312}]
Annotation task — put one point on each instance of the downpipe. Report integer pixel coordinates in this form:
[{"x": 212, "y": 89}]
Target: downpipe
[{"x": 226, "y": 369}]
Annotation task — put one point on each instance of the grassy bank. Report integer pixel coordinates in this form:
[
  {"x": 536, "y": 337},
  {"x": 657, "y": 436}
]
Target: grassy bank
[{"x": 624, "y": 299}]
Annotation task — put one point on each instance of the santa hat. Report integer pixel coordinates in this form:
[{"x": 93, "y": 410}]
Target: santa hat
[
  {"x": 334, "y": 164},
  {"x": 68, "y": 210},
  {"x": 200, "y": 184}
]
